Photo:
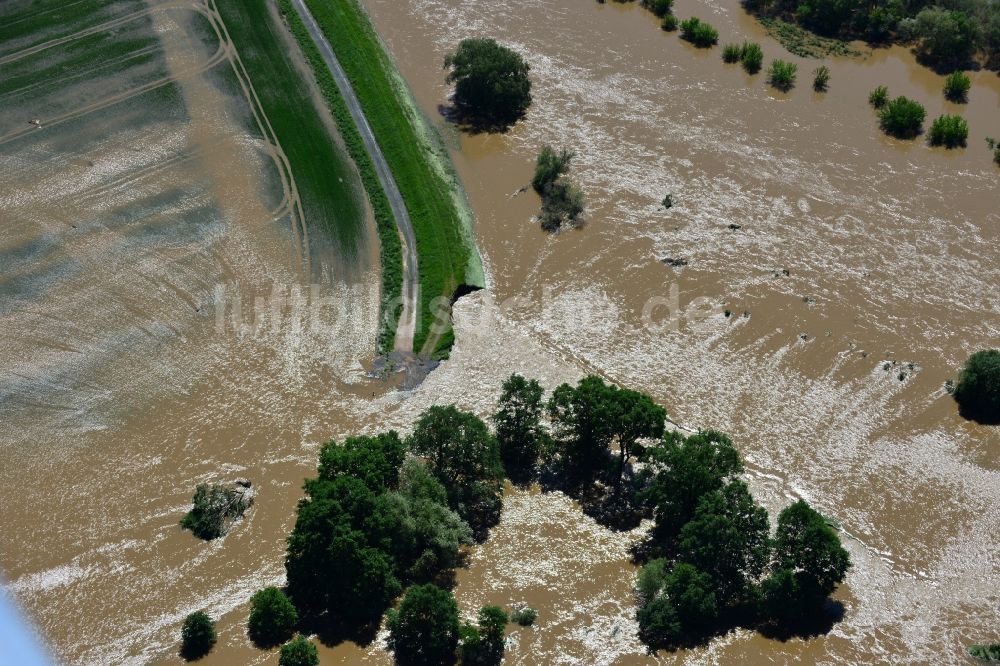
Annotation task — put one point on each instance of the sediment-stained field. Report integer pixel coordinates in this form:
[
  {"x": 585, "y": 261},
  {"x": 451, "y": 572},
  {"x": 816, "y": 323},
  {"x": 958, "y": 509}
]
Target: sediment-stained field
[
  {"x": 891, "y": 256},
  {"x": 143, "y": 185}
]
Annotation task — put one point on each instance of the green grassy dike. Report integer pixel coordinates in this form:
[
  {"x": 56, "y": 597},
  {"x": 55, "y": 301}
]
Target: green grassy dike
[
  {"x": 323, "y": 174},
  {"x": 391, "y": 251},
  {"x": 434, "y": 199}
]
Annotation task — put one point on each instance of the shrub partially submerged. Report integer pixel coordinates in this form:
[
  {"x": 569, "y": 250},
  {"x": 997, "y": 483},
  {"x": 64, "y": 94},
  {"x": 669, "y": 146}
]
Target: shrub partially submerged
[
  {"x": 752, "y": 57},
  {"x": 902, "y": 118},
  {"x": 216, "y": 507},
  {"x": 949, "y": 131},
  {"x": 781, "y": 75},
  {"x": 731, "y": 53},
  {"x": 994, "y": 145},
  {"x": 699, "y": 33},
  {"x": 878, "y": 97},
  {"x": 659, "y": 7},
  {"x": 524, "y": 616},
  {"x": 821, "y": 78},
  {"x": 562, "y": 200},
  {"x": 956, "y": 87}
]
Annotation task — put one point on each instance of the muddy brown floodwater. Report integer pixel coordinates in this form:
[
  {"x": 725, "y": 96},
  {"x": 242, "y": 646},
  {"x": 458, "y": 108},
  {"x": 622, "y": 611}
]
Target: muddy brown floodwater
[{"x": 859, "y": 260}]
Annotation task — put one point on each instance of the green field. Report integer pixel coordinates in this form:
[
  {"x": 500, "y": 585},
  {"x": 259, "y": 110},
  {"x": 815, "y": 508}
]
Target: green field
[
  {"x": 433, "y": 197},
  {"x": 321, "y": 170},
  {"x": 391, "y": 250}
]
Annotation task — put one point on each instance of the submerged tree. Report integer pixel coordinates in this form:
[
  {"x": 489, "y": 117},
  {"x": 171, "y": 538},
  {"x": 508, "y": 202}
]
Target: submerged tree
[
  {"x": 978, "y": 389},
  {"x": 781, "y": 74},
  {"x": 272, "y": 618},
  {"x": 684, "y": 470},
  {"x": 492, "y": 88},
  {"x": 197, "y": 636},
  {"x": 728, "y": 539},
  {"x": 519, "y": 429},
  {"x": 464, "y": 456},
  {"x": 298, "y": 652},
  {"x": 424, "y": 630},
  {"x": 809, "y": 563},
  {"x": 591, "y": 417}
]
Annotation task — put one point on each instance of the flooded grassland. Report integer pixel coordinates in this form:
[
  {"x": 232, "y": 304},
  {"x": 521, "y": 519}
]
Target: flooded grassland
[{"x": 120, "y": 392}]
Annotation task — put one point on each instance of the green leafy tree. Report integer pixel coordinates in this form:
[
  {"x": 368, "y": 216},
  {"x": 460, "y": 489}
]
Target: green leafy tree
[
  {"x": 782, "y": 598},
  {"x": 472, "y": 647},
  {"x": 684, "y": 470},
  {"x": 373, "y": 460},
  {"x": 808, "y": 549},
  {"x": 484, "y": 644},
  {"x": 424, "y": 630},
  {"x": 699, "y": 33},
  {"x": 956, "y": 87},
  {"x": 416, "y": 527},
  {"x": 978, "y": 389},
  {"x": 465, "y": 458},
  {"x": 518, "y": 425},
  {"x": 728, "y": 540},
  {"x": 298, "y": 652},
  {"x": 492, "y": 88},
  {"x": 693, "y": 596},
  {"x": 659, "y": 623},
  {"x": 327, "y": 537},
  {"x": 781, "y": 74},
  {"x": 902, "y": 118},
  {"x": 827, "y": 17},
  {"x": 948, "y": 131},
  {"x": 272, "y": 618},
  {"x": 683, "y": 612},
  {"x": 651, "y": 578},
  {"x": 492, "y": 623},
  {"x": 589, "y": 418},
  {"x": 946, "y": 38},
  {"x": 197, "y": 636}
]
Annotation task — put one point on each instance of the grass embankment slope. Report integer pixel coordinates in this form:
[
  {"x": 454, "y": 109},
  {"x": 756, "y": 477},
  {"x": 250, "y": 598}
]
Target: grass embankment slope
[
  {"x": 391, "y": 250},
  {"x": 322, "y": 172},
  {"x": 442, "y": 220}
]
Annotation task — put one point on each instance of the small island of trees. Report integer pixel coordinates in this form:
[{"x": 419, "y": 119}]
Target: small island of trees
[
  {"x": 393, "y": 516},
  {"x": 562, "y": 200},
  {"x": 492, "y": 88}
]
